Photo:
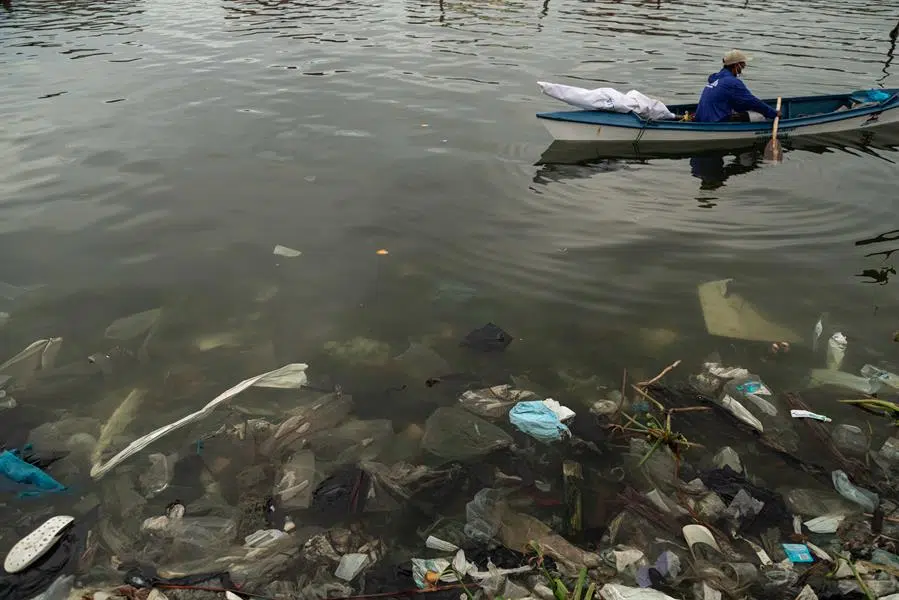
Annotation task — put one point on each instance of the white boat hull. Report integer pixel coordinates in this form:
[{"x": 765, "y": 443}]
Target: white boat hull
[{"x": 571, "y": 131}]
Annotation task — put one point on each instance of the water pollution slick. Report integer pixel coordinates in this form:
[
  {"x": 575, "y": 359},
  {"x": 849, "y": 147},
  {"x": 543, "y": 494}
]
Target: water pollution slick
[{"x": 708, "y": 480}]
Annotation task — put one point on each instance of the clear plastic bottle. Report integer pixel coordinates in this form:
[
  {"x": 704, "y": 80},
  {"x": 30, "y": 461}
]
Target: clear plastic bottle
[
  {"x": 887, "y": 378},
  {"x": 157, "y": 478}
]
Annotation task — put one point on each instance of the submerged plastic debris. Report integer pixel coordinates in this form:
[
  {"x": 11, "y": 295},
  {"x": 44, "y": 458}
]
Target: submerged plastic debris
[
  {"x": 39, "y": 355},
  {"x": 37, "y": 543},
  {"x": 288, "y": 376},
  {"x": 489, "y": 338},
  {"x": 132, "y": 326},
  {"x": 32, "y": 477},
  {"x": 285, "y": 251},
  {"x": 727, "y": 314},
  {"x": 538, "y": 421}
]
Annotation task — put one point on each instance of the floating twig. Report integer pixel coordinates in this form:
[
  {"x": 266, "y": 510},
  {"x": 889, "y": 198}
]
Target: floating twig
[{"x": 664, "y": 372}]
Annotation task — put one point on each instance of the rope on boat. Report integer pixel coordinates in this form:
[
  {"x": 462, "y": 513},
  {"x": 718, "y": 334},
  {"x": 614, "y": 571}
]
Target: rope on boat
[{"x": 636, "y": 142}]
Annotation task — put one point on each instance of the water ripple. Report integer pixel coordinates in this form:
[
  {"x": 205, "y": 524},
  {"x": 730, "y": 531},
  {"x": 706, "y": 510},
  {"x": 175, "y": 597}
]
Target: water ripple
[{"x": 114, "y": 107}]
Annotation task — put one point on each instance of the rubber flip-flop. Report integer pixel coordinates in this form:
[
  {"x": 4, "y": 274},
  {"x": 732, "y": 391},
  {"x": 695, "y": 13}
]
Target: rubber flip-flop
[{"x": 37, "y": 543}]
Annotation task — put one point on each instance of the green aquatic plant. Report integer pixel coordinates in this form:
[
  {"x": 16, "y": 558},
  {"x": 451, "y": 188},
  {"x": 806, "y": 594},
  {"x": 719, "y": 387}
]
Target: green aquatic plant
[
  {"x": 555, "y": 583},
  {"x": 883, "y": 408},
  {"x": 658, "y": 431}
]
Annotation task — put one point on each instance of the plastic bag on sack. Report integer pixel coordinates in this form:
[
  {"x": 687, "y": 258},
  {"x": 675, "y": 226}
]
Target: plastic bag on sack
[
  {"x": 494, "y": 402},
  {"x": 454, "y": 434},
  {"x": 538, "y": 421}
]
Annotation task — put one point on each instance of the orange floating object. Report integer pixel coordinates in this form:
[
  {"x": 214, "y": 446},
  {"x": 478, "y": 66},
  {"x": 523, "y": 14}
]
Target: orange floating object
[
  {"x": 382, "y": 252},
  {"x": 432, "y": 577}
]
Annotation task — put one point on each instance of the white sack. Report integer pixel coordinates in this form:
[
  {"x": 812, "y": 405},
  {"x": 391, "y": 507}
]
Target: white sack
[{"x": 608, "y": 99}]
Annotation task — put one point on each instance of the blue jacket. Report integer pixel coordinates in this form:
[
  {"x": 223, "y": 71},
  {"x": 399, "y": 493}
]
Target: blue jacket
[{"x": 726, "y": 94}]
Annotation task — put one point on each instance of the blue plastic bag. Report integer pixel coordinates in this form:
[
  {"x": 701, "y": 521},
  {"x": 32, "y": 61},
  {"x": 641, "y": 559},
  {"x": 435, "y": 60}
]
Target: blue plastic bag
[
  {"x": 14, "y": 468},
  {"x": 538, "y": 421},
  {"x": 870, "y": 96}
]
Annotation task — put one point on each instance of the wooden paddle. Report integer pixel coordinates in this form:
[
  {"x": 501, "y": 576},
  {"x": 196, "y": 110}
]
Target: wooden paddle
[{"x": 773, "y": 150}]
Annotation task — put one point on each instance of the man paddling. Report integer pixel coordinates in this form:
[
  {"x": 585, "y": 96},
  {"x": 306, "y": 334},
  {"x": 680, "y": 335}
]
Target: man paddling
[{"x": 726, "y": 98}]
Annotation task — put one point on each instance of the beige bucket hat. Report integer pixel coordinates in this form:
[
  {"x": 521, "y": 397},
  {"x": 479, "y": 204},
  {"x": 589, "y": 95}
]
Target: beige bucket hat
[{"x": 735, "y": 56}]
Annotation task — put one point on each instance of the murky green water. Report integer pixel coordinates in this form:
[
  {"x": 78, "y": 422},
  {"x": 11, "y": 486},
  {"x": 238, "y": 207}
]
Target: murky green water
[{"x": 155, "y": 152}]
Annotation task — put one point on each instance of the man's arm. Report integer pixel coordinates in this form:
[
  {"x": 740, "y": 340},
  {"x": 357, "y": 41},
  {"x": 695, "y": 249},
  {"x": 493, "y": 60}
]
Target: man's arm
[{"x": 743, "y": 100}]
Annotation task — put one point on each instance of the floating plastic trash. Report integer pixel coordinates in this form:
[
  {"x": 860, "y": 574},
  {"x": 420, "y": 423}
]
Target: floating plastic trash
[
  {"x": 804, "y": 414},
  {"x": 562, "y": 412},
  {"x": 798, "y": 553},
  {"x": 455, "y": 434},
  {"x": 37, "y": 543},
  {"x": 872, "y": 372},
  {"x": 616, "y": 591},
  {"x": 489, "y": 338},
  {"x": 741, "y": 413},
  {"x": 699, "y": 534},
  {"x": 285, "y": 251},
  {"x": 132, "y": 326},
  {"x": 290, "y": 376},
  {"x": 39, "y": 355},
  {"x": 864, "y": 498},
  {"x": 538, "y": 421},
  {"x": 816, "y": 333},
  {"x": 16, "y": 469},
  {"x": 836, "y": 351},
  {"x": 435, "y": 543},
  {"x": 493, "y": 402},
  {"x": 351, "y": 565},
  {"x": 728, "y": 314},
  {"x": 865, "y": 385},
  {"x": 118, "y": 421},
  {"x": 825, "y": 523}
]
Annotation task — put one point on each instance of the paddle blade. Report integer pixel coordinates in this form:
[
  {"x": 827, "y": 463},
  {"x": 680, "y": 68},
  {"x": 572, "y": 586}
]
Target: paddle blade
[{"x": 773, "y": 151}]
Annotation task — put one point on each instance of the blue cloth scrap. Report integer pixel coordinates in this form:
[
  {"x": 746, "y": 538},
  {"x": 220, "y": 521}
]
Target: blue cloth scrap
[
  {"x": 798, "y": 553},
  {"x": 19, "y": 471},
  {"x": 538, "y": 421}
]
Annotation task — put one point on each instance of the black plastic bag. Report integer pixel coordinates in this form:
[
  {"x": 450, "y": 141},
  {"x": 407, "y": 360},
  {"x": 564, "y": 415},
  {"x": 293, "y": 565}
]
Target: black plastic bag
[
  {"x": 727, "y": 483},
  {"x": 489, "y": 338}
]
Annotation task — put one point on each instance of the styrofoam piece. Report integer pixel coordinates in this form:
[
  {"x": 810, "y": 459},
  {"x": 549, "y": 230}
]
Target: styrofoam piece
[{"x": 36, "y": 544}]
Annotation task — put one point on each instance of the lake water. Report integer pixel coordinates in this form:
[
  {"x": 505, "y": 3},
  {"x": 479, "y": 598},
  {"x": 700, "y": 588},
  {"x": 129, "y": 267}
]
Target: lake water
[{"x": 154, "y": 153}]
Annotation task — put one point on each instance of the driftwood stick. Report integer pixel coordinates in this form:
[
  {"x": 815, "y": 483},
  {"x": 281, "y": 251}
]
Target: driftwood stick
[
  {"x": 658, "y": 404},
  {"x": 664, "y": 372}
]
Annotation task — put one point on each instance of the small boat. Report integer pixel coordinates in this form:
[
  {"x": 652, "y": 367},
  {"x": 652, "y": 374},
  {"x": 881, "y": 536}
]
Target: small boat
[{"x": 800, "y": 117}]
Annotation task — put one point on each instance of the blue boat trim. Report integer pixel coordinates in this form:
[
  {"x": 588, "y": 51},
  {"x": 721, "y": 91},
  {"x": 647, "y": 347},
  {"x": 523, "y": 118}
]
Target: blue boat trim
[{"x": 632, "y": 121}]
